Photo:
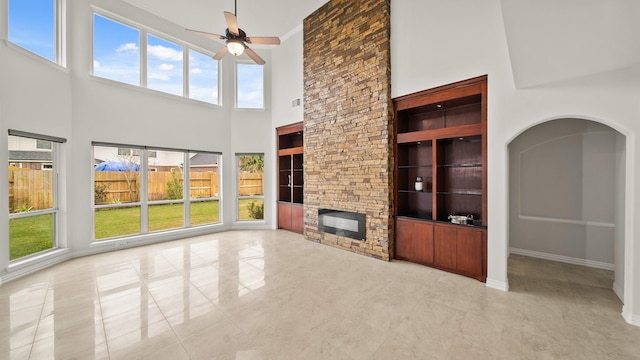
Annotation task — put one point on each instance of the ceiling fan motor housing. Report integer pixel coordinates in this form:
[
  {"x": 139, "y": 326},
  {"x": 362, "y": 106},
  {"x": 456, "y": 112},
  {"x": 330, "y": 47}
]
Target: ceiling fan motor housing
[{"x": 229, "y": 35}]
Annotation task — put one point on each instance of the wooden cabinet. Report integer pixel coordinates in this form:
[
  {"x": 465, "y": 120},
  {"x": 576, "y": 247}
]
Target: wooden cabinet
[
  {"x": 415, "y": 241},
  {"x": 290, "y": 178},
  {"x": 460, "y": 249},
  {"x": 440, "y": 139}
]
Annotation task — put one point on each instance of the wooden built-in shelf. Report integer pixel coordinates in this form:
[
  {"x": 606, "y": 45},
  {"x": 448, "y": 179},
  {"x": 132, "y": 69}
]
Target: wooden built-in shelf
[{"x": 440, "y": 136}]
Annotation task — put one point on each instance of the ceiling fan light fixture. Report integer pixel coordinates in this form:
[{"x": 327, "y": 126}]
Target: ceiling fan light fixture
[{"x": 236, "y": 47}]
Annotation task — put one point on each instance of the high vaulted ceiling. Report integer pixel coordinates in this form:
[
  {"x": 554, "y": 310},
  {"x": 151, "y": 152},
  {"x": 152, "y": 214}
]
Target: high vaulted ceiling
[
  {"x": 548, "y": 40},
  {"x": 255, "y": 17}
]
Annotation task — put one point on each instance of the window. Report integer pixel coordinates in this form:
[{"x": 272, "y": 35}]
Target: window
[
  {"x": 33, "y": 191},
  {"x": 128, "y": 152},
  {"x": 118, "y": 48},
  {"x": 204, "y": 193},
  {"x": 249, "y": 86},
  {"x": 164, "y": 66},
  {"x": 203, "y": 77},
  {"x": 43, "y": 144},
  {"x": 116, "y": 51},
  {"x": 250, "y": 186},
  {"x": 33, "y": 26},
  {"x": 165, "y": 191},
  {"x": 130, "y": 200}
]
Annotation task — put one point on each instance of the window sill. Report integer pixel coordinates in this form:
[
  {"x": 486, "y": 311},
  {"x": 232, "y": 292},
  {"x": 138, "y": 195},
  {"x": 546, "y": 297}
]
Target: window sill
[
  {"x": 123, "y": 85},
  {"x": 33, "y": 56},
  {"x": 31, "y": 264}
]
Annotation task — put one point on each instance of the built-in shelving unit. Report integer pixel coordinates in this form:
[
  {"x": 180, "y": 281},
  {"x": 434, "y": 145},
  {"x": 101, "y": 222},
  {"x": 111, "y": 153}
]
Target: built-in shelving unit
[
  {"x": 290, "y": 177},
  {"x": 440, "y": 138}
]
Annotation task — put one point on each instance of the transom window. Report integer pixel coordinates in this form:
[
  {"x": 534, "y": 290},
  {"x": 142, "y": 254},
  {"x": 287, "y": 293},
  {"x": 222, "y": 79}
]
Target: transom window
[
  {"x": 34, "y": 25},
  {"x": 118, "y": 48},
  {"x": 249, "y": 86}
]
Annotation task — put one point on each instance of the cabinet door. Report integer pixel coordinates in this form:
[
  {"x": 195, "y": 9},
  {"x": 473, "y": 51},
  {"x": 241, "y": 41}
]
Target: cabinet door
[
  {"x": 404, "y": 239},
  {"x": 444, "y": 246},
  {"x": 284, "y": 216},
  {"x": 297, "y": 218},
  {"x": 469, "y": 251},
  {"x": 423, "y": 242}
]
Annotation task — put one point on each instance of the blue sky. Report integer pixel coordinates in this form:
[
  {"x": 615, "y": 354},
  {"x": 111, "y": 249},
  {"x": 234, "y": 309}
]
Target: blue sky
[
  {"x": 32, "y": 26},
  {"x": 116, "y": 55}
]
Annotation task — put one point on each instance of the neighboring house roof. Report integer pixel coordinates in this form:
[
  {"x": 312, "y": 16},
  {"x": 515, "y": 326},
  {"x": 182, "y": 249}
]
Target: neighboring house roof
[
  {"x": 204, "y": 159},
  {"x": 29, "y": 156}
]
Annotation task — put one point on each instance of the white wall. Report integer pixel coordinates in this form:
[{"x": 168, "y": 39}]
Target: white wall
[
  {"x": 562, "y": 192},
  {"x": 621, "y": 200},
  {"x": 40, "y": 97},
  {"x": 435, "y": 43},
  {"x": 287, "y": 72}
]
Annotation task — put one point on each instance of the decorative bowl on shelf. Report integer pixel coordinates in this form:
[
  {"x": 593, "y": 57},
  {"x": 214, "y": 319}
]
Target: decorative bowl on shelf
[{"x": 461, "y": 219}]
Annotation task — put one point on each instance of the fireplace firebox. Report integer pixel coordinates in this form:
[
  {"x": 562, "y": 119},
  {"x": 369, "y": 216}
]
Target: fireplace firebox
[{"x": 343, "y": 223}]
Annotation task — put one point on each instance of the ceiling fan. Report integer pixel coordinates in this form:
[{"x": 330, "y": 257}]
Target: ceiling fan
[{"x": 236, "y": 39}]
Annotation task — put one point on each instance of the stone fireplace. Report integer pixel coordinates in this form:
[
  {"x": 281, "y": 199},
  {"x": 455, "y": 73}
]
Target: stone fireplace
[{"x": 348, "y": 122}]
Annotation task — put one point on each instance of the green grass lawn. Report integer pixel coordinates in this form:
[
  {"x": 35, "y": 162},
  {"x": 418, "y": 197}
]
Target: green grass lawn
[
  {"x": 243, "y": 208},
  {"x": 30, "y": 235},
  {"x": 126, "y": 221},
  {"x": 33, "y": 234}
]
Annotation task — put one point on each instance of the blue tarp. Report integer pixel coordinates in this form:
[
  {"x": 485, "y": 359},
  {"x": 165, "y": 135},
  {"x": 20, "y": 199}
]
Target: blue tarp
[{"x": 117, "y": 166}]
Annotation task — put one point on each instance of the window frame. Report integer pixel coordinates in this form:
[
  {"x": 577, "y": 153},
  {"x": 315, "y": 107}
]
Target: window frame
[
  {"x": 54, "y": 210},
  {"x": 144, "y": 32},
  {"x": 143, "y": 199},
  {"x": 59, "y": 33}
]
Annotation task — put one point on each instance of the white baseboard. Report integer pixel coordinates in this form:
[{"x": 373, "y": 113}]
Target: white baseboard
[
  {"x": 564, "y": 259},
  {"x": 632, "y": 319},
  {"x": 618, "y": 290},
  {"x": 497, "y": 284}
]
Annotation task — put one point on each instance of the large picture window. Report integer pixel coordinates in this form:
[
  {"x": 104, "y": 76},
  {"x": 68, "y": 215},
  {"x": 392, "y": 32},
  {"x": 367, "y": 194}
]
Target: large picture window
[
  {"x": 249, "y": 86},
  {"x": 137, "y": 193},
  {"x": 34, "y": 26},
  {"x": 33, "y": 192},
  {"x": 250, "y": 186}
]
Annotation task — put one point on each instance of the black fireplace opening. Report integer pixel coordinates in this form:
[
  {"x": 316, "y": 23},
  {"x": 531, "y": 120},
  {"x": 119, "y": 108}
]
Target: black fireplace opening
[{"x": 343, "y": 223}]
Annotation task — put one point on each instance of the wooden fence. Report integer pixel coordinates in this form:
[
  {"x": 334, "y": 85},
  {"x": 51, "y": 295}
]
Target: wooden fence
[
  {"x": 30, "y": 190},
  {"x": 251, "y": 184},
  {"x": 123, "y": 187},
  {"x": 33, "y": 189}
]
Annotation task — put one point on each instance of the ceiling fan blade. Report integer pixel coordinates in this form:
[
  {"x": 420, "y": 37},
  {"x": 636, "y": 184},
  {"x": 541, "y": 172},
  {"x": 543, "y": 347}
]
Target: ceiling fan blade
[
  {"x": 252, "y": 54},
  {"x": 207, "y": 34},
  {"x": 266, "y": 40},
  {"x": 232, "y": 23},
  {"x": 221, "y": 53}
]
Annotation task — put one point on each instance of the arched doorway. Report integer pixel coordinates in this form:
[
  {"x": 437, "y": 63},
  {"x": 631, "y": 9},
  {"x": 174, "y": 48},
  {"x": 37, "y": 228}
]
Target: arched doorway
[{"x": 567, "y": 204}]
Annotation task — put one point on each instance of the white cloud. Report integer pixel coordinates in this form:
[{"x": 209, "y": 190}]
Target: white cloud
[
  {"x": 128, "y": 47},
  {"x": 96, "y": 64},
  {"x": 165, "y": 67},
  {"x": 196, "y": 71},
  {"x": 164, "y": 53},
  {"x": 163, "y": 77}
]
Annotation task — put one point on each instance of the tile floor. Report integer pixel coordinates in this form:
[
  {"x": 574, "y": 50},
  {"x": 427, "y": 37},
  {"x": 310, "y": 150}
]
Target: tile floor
[{"x": 272, "y": 295}]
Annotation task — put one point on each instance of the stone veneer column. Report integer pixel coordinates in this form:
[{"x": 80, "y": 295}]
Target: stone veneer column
[{"x": 348, "y": 157}]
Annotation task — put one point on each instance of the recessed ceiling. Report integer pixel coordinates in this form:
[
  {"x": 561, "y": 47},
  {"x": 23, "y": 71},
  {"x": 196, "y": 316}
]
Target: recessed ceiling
[{"x": 255, "y": 17}]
